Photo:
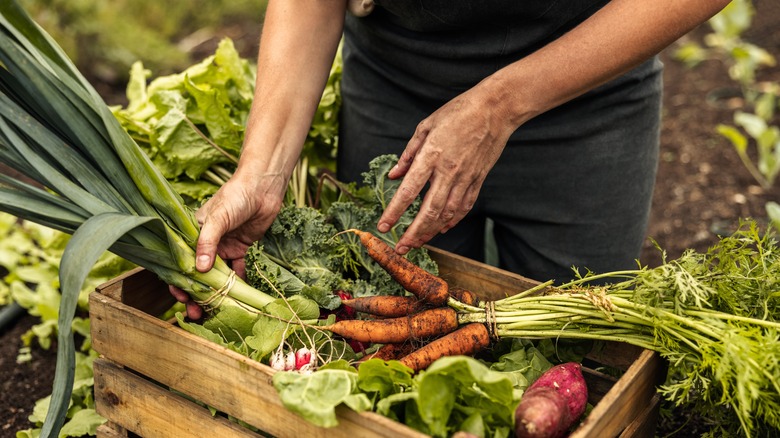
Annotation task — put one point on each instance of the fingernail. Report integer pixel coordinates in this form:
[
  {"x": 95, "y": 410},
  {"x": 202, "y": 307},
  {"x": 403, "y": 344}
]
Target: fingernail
[
  {"x": 203, "y": 262},
  {"x": 402, "y": 250},
  {"x": 383, "y": 227}
]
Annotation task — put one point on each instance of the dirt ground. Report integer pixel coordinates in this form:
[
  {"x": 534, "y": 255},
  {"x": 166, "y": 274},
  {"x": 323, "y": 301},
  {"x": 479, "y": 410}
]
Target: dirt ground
[{"x": 702, "y": 190}]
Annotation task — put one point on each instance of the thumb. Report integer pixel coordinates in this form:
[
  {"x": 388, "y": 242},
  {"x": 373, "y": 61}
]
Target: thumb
[{"x": 206, "y": 249}]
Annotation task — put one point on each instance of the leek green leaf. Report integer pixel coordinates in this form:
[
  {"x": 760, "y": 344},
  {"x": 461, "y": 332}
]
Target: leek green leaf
[{"x": 88, "y": 243}]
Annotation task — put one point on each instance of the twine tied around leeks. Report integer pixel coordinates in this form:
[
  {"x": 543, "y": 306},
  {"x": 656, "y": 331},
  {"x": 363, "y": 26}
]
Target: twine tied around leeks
[{"x": 215, "y": 300}]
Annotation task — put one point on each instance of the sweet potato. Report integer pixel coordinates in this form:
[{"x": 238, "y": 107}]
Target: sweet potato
[
  {"x": 552, "y": 403},
  {"x": 542, "y": 413}
]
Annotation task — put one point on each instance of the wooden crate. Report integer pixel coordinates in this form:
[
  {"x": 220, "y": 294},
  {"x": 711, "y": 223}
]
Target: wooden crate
[{"x": 151, "y": 372}]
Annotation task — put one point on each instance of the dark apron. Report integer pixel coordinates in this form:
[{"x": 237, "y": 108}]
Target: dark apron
[{"x": 573, "y": 186}]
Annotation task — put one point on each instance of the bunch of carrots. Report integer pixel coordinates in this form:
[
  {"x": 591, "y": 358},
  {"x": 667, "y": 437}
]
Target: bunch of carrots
[
  {"x": 667, "y": 309},
  {"x": 418, "y": 329}
]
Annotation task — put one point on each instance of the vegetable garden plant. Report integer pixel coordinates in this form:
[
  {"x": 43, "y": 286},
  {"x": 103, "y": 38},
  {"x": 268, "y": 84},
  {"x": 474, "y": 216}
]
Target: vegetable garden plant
[{"x": 712, "y": 316}]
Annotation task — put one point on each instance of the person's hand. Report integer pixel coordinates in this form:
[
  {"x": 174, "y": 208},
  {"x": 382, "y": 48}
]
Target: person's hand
[
  {"x": 232, "y": 220},
  {"x": 453, "y": 149}
]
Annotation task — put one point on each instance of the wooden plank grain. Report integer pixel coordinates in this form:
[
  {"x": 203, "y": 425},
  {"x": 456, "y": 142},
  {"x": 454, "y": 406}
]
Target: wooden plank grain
[
  {"x": 150, "y": 411},
  {"x": 487, "y": 282},
  {"x": 598, "y": 384},
  {"x": 229, "y": 382},
  {"x": 626, "y": 401},
  {"x": 141, "y": 289},
  {"x": 644, "y": 426},
  {"x": 110, "y": 430},
  {"x": 615, "y": 354}
]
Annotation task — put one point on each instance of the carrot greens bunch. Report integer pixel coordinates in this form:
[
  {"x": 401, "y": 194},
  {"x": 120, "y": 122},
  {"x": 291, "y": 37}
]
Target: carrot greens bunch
[{"x": 712, "y": 316}]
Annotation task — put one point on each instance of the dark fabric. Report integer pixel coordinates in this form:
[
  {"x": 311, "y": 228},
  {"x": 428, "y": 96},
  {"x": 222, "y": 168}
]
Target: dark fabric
[
  {"x": 573, "y": 186},
  {"x": 437, "y": 49}
]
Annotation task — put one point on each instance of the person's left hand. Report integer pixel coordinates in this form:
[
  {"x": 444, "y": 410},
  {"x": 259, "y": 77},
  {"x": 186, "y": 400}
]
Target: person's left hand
[{"x": 453, "y": 149}]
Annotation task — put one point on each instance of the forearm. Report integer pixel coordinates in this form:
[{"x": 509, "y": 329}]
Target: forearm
[
  {"x": 620, "y": 36},
  {"x": 297, "y": 49}
]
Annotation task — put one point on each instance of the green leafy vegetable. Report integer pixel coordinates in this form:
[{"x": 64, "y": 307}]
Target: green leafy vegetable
[
  {"x": 315, "y": 396},
  {"x": 454, "y": 393},
  {"x": 191, "y": 123},
  {"x": 100, "y": 186}
]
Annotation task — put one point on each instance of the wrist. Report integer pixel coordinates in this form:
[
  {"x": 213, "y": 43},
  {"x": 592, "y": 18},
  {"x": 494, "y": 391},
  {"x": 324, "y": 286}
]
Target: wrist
[{"x": 512, "y": 96}]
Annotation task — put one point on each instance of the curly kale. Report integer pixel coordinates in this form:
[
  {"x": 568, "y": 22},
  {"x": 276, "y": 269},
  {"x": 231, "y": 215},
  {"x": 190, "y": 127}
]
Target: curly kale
[
  {"x": 363, "y": 213},
  {"x": 303, "y": 243},
  {"x": 304, "y": 253}
]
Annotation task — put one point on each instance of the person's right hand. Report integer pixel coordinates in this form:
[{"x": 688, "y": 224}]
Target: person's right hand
[{"x": 236, "y": 216}]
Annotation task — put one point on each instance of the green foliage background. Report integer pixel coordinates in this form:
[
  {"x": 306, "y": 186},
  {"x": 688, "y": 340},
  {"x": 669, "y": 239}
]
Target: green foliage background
[{"x": 104, "y": 38}]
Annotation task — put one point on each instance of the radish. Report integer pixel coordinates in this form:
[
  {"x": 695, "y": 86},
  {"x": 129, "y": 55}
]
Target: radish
[
  {"x": 302, "y": 357},
  {"x": 553, "y": 403},
  {"x": 277, "y": 360}
]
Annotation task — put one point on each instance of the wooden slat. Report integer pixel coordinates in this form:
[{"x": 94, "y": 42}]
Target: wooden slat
[
  {"x": 645, "y": 424},
  {"x": 488, "y": 282},
  {"x": 625, "y": 401},
  {"x": 110, "y": 430},
  {"x": 599, "y": 384},
  {"x": 615, "y": 354},
  {"x": 140, "y": 289},
  {"x": 228, "y": 381},
  {"x": 151, "y": 411}
]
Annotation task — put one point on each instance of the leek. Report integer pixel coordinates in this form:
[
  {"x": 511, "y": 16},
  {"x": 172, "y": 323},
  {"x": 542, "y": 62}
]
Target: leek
[{"x": 89, "y": 179}]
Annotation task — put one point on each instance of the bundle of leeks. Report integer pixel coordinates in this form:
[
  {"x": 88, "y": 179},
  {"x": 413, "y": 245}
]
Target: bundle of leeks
[{"x": 91, "y": 180}]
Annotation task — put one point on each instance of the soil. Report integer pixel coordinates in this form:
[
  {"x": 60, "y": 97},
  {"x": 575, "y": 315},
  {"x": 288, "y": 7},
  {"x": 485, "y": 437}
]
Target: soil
[{"x": 702, "y": 191}]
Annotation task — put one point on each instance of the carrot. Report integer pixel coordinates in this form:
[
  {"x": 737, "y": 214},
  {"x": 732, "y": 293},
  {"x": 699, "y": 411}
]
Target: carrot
[
  {"x": 424, "y": 324},
  {"x": 465, "y": 296},
  {"x": 392, "y": 306},
  {"x": 388, "y": 306},
  {"x": 390, "y": 352},
  {"x": 466, "y": 340},
  {"x": 413, "y": 278}
]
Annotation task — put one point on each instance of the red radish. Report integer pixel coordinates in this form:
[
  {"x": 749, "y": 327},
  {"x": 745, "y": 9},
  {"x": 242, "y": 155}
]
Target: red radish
[
  {"x": 358, "y": 346},
  {"x": 552, "y": 403},
  {"x": 345, "y": 312},
  {"x": 302, "y": 357}
]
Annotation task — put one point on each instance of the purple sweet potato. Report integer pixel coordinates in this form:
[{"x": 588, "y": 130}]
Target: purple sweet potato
[
  {"x": 552, "y": 404},
  {"x": 542, "y": 413}
]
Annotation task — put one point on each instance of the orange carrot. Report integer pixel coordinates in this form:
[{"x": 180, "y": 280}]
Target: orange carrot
[
  {"x": 390, "y": 352},
  {"x": 465, "y": 296},
  {"x": 466, "y": 340},
  {"x": 424, "y": 324},
  {"x": 413, "y": 278},
  {"x": 393, "y": 306},
  {"x": 389, "y": 306}
]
